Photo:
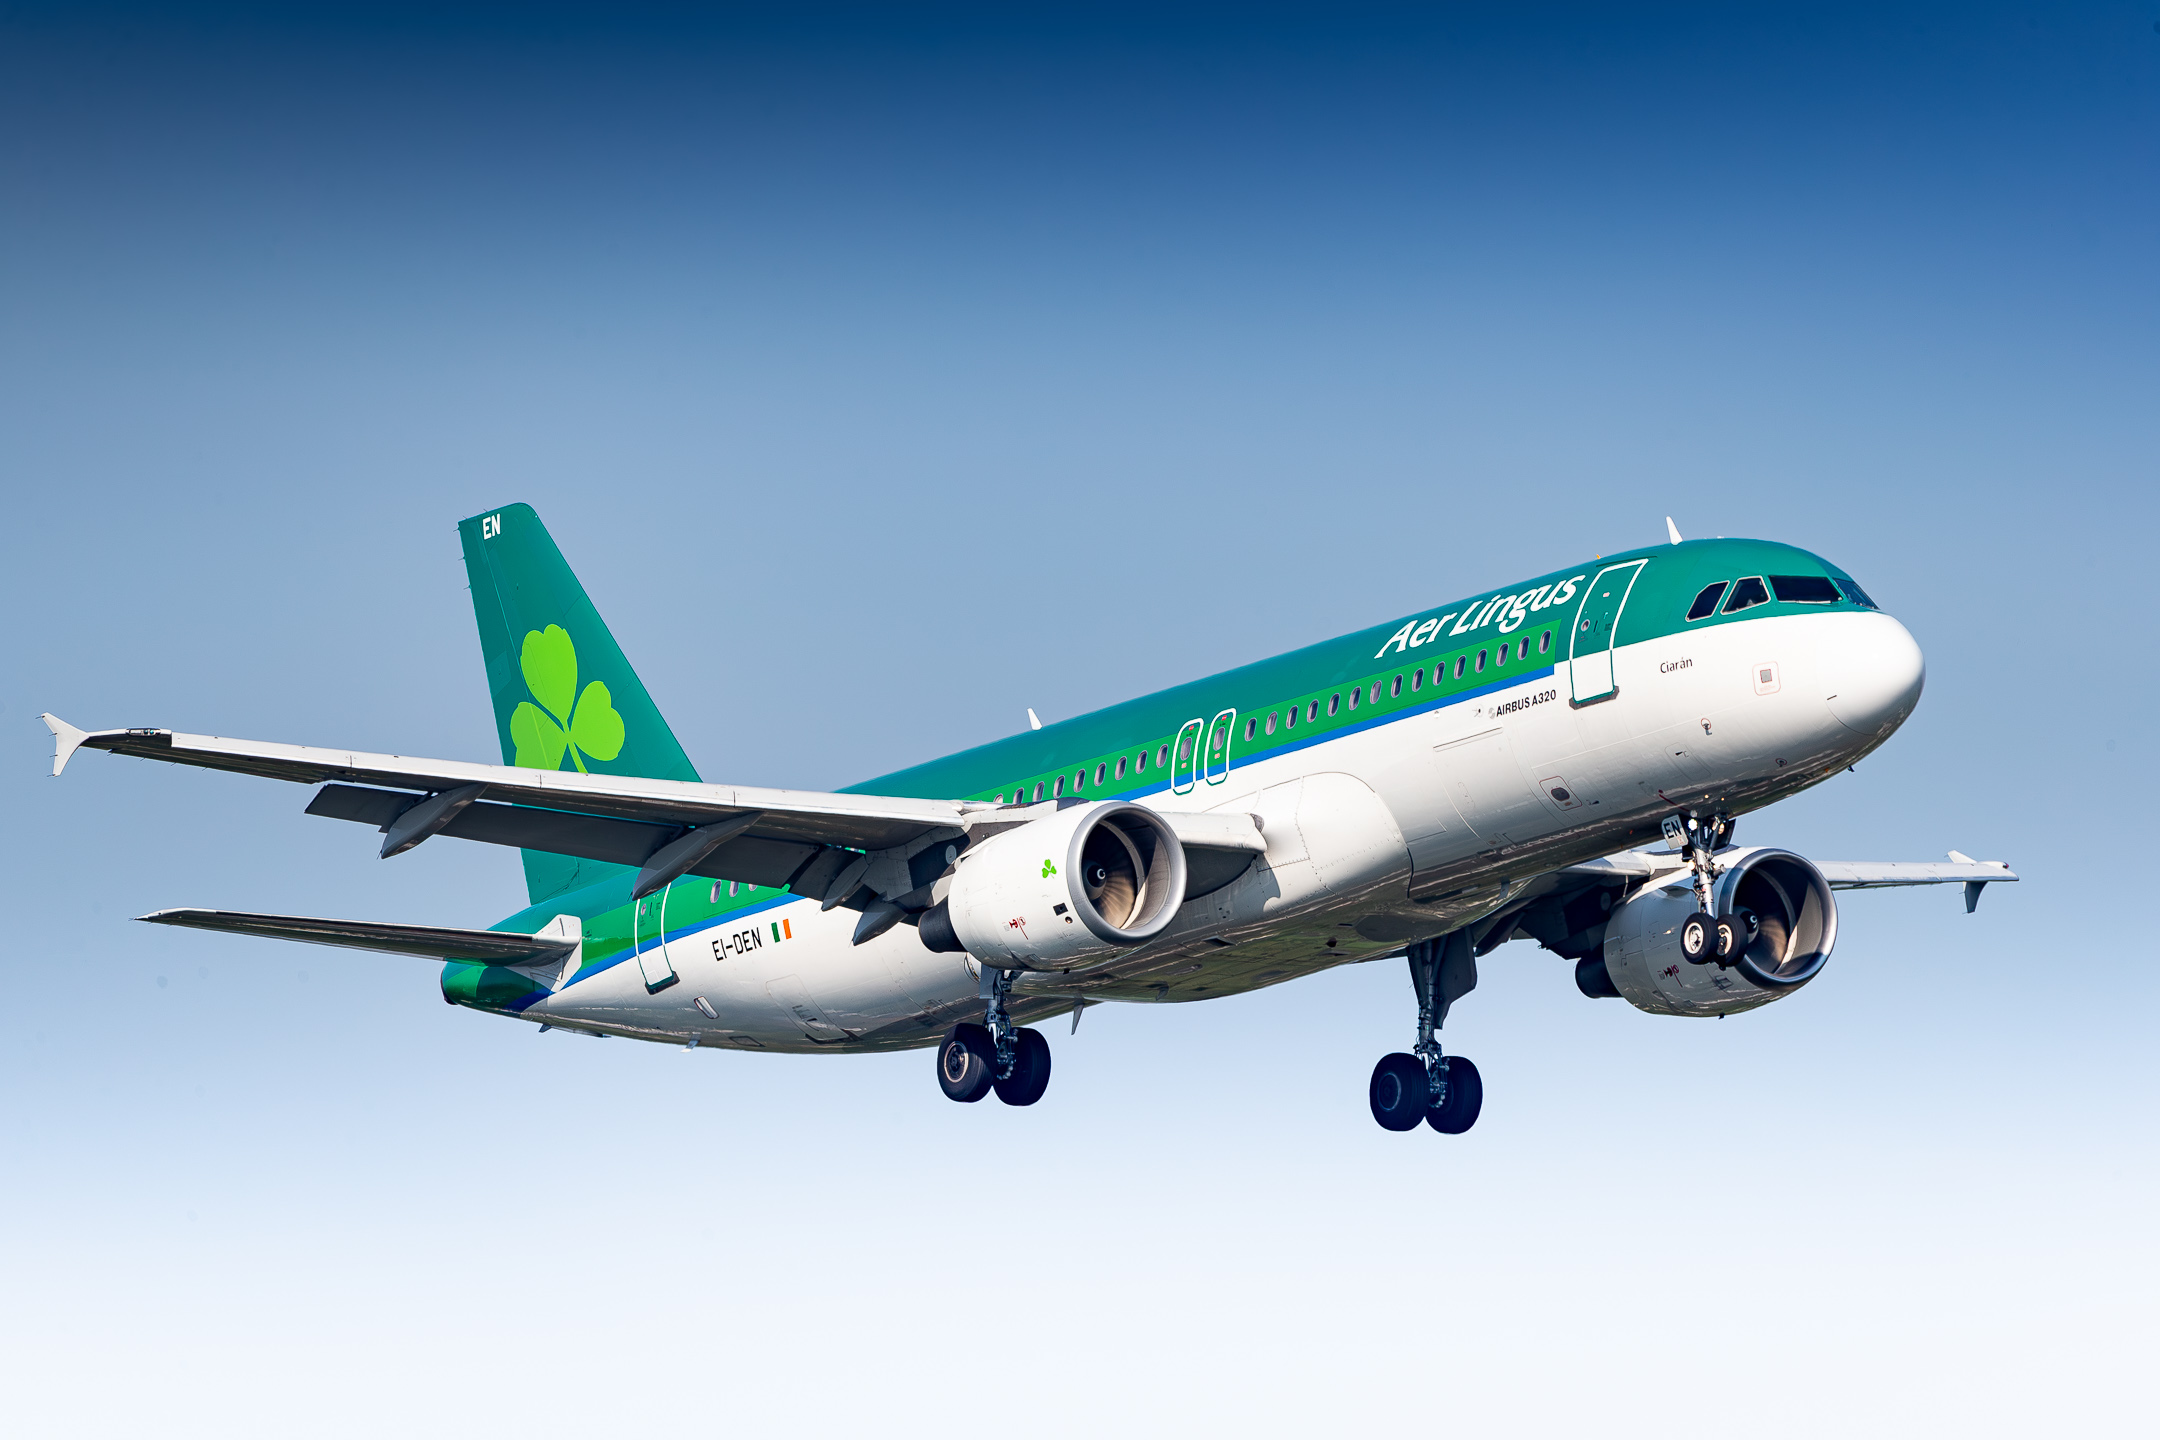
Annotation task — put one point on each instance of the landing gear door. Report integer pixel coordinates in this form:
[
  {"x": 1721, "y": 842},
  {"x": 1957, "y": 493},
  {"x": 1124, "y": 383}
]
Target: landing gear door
[
  {"x": 648, "y": 934},
  {"x": 1597, "y": 621}
]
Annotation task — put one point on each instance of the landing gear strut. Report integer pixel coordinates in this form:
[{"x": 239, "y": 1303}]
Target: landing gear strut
[
  {"x": 1443, "y": 1091},
  {"x": 1706, "y": 936},
  {"x": 996, "y": 1055}
]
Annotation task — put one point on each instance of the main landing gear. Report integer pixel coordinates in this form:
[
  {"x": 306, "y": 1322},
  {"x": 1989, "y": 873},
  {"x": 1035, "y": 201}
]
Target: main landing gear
[
  {"x": 1000, "y": 1056},
  {"x": 1706, "y": 936},
  {"x": 1443, "y": 1091}
]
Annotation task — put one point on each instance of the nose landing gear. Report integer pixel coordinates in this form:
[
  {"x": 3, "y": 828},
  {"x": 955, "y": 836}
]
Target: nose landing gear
[
  {"x": 1706, "y": 936},
  {"x": 1443, "y": 1091},
  {"x": 976, "y": 1059}
]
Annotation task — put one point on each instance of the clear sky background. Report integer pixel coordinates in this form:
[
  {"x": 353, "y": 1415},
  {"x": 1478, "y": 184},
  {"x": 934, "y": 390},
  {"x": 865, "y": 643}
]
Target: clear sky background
[{"x": 884, "y": 373}]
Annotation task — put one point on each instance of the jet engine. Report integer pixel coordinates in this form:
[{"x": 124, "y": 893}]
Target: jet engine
[
  {"x": 1788, "y": 916},
  {"x": 1061, "y": 891}
]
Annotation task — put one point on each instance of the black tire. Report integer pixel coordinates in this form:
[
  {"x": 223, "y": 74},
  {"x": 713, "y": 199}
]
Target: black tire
[
  {"x": 1698, "y": 939},
  {"x": 1031, "y": 1070},
  {"x": 966, "y": 1063},
  {"x": 1399, "y": 1091},
  {"x": 1465, "y": 1098},
  {"x": 1728, "y": 938}
]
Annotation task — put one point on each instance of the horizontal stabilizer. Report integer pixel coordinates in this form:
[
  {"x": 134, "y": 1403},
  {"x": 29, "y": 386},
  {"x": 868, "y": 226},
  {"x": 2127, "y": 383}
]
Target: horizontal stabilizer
[{"x": 492, "y": 947}]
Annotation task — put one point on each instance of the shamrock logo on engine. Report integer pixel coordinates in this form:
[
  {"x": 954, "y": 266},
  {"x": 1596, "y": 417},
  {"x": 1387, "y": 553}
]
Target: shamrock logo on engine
[
  {"x": 1048, "y": 869},
  {"x": 565, "y": 719}
]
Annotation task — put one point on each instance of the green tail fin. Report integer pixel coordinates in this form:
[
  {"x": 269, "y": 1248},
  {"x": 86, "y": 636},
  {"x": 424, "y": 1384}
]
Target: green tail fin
[{"x": 564, "y": 695}]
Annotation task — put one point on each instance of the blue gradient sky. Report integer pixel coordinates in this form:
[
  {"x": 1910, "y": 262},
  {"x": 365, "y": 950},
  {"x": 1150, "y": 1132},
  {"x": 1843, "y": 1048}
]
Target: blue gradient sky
[{"x": 885, "y": 373}]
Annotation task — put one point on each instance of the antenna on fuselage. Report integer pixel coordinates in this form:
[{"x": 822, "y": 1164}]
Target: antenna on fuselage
[
  {"x": 1672, "y": 530},
  {"x": 1033, "y": 723}
]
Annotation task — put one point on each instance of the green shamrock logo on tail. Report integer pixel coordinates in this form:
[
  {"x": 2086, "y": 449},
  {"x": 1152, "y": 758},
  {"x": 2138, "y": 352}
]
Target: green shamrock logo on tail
[{"x": 584, "y": 724}]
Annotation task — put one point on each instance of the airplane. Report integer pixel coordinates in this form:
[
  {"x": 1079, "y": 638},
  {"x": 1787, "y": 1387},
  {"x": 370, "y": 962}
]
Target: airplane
[{"x": 1561, "y": 760}]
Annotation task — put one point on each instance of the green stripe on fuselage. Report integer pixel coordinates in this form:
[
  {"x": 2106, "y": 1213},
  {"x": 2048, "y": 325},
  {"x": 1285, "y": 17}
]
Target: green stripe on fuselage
[{"x": 1657, "y": 606}]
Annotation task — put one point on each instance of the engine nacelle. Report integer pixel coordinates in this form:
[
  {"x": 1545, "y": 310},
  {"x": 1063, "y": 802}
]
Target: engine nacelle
[
  {"x": 1063, "y": 890},
  {"x": 1792, "y": 923}
]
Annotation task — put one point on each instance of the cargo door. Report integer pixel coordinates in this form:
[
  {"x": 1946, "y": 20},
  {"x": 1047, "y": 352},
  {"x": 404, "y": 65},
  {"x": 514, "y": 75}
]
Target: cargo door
[
  {"x": 1487, "y": 786},
  {"x": 1597, "y": 621},
  {"x": 806, "y": 1014}
]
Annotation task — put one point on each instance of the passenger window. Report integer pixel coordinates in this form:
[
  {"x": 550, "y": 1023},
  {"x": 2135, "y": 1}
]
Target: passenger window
[
  {"x": 1462, "y": 663},
  {"x": 1100, "y": 772},
  {"x": 1395, "y": 689},
  {"x": 1289, "y": 718},
  {"x": 1334, "y": 703},
  {"x": 1481, "y": 662},
  {"x": 1375, "y": 696},
  {"x": 1355, "y": 696},
  {"x": 1162, "y": 755},
  {"x": 1312, "y": 711},
  {"x": 1746, "y": 593},
  {"x": 1804, "y": 589},
  {"x": 1270, "y": 722},
  {"x": 1057, "y": 787},
  {"x": 1858, "y": 596},
  {"x": 1706, "y": 603},
  {"x": 1500, "y": 658},
  {"x": 1252, "y": 726},
  {"x": 1417, "y": 679},
  {"x": 1038, "y": 791},
  {"x": 1119, "y": 773},
  {"x": 1141, "y": 765},
  {"x": 1544, "y": 642},
  {"x": 1079, "y": 781}
]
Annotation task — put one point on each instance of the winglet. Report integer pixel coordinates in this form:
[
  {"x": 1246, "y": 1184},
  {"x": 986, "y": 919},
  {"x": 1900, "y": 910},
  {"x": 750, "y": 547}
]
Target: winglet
[
  {"x": 1033, "y": 723},
  {"x": 66, "y": 740},
  {"x": 1672, "y": 530}
]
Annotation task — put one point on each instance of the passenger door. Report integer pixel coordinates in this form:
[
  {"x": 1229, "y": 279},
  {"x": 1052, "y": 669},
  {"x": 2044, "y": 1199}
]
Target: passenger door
[{"x": 1597, "y": 621}]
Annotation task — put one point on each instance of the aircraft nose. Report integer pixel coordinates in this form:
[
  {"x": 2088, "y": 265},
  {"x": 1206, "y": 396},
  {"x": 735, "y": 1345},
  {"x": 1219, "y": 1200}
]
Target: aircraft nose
[{"x": 1877, "y": 674}]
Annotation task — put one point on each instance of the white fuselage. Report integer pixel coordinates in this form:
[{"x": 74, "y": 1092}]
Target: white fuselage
[{"x": 1405, "y": 830}]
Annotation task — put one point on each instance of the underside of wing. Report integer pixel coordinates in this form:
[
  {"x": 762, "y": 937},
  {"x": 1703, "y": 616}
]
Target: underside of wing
[
  {"x": 493, "y": 947},
  {"x": 798, "y": 838}
]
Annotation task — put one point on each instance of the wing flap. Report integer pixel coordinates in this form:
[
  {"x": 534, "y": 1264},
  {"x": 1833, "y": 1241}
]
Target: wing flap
[{"x": 492, "y": 947}]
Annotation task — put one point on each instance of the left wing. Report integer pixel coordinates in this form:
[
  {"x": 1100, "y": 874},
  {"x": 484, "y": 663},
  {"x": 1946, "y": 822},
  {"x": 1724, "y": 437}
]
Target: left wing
[
  {"x": 809, "y": 840},
  {"x": 829, "y": 847}
]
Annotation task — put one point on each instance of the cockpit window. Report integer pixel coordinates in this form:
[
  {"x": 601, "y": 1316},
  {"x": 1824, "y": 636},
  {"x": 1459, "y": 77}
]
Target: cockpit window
[
  {"x": 1858, "y": 596},
  {"x": 1746, "y": 592},
  {"x": 1804, "y": 589},
  {"x": 1706, "y": 603}
]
